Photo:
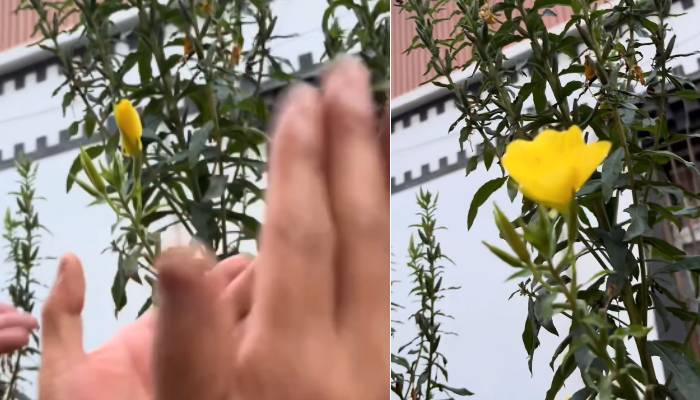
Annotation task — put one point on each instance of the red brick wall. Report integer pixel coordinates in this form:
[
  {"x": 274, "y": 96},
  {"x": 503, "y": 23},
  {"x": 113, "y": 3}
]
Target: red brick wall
[
  {"x": 407, "y": 69},
  {"x": 16, "y": 28}
]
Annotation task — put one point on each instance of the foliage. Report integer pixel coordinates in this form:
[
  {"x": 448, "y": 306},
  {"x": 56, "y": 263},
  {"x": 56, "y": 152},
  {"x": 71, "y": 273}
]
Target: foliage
[
  {"x": 617, "y": 84},
  {"x": 203, "y": 96},
  {"x": 199, "y": 90},
  {"x": 369, "y": 37},
  {"x": 22, "y": 236},
  {"x": 421, "y": 366}
]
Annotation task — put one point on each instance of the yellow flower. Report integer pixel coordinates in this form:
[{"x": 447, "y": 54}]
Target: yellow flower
[
  {"x": 129, "y": 124},
  {"x": 551, "y": 168}
]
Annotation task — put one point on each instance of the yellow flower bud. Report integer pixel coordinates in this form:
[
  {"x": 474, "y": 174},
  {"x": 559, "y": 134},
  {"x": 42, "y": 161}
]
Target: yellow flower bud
[
  {"x": 129, "y": 124},
  {"x": 551, "y": 168}
]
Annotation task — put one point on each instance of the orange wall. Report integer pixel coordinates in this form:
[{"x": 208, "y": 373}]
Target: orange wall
[
  {"x": 16, "y": 28},
  {"x": 407, "y": 69}
]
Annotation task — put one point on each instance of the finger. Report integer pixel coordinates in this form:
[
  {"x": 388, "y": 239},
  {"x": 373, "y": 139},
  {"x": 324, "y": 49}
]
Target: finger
[
  {"x": 359, "y": 193},
  {"x": 10, "y": 320},
  {"x": 62, "y": 329},
  {"x": 294, "y": 276},
  {"x": 228, "y": 269},
  {"x": 13, "y": 338},
  {"x": 6, "y": 308},
  {"x": 190, "y": 342},
  {"x": 239, "y": 293}
]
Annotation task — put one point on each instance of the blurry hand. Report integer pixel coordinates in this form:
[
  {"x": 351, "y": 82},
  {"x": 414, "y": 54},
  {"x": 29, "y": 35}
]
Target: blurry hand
[
  {"x": 121, "y": 369},
  {"x": 316, "y": 324},
  {"x": 15, "y": 328}
]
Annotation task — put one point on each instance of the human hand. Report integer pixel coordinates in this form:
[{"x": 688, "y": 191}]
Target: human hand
[
  {"x": 15, "y": 328},
  {"x": 316, "y": 325},
  {"x": 121, "y": 368}
]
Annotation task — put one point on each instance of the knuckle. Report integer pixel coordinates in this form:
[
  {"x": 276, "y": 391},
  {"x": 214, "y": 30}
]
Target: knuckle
[{"x": 302, "y": 232}]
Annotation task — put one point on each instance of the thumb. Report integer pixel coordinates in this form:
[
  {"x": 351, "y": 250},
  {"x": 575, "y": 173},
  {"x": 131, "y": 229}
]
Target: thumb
[{"x": 62, "y": 328}]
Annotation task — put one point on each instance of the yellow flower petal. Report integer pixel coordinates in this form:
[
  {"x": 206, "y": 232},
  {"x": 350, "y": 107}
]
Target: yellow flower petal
[
  {"x": 129, "y": 124},
  {"x": 553, "y": 166},
  {"x": 589, "y": 159}
]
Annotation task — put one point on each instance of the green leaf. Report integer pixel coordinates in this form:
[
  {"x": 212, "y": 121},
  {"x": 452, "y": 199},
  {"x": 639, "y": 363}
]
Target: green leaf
[
  {"x": 488, "y": 154},
  {"x": 550, "y": 3},
  {"x": 638, "y": 225},
  {"x": 512, "y": 187},
  {"x": 91, "y": 172},
  {"x": 73, "y": 128},
  {"x": 612, "y": 168},
  {"x": 119, "y": 290},
  {"x": 457, "y": 391},
  {"x": 144, "y": 60},
  {"x": 530, "y": 332},
  {"x": 198, "y": 142},
  {"x": 505, "y": 257},
  {"x": 583, "y": 394},
  {"x": 217, "y": 185},
  {"x": 563, "y": 372},
  {"x": 544, "y": 311},
  {"x": 146, "y": 305},
  {"x": 90, "y": 122},
  {"x": 539, "y": 95},
  {"x": 481, "y": 195},
  {"x": 203, "y": 220},
  {"x": 67, "y": 101},
  {"x": 571, "y": 87},
  {"x": 684, "y": 370},
  {"x": 637, "y": 331},
  {"x": 664, "y": 156},
  {"x": 511, "y": 236},
  {"x": 661, "y": 247},
  {"x": 686, "y": 94},
  {"x": 472, "y": 163},
  {"x": 687, "y": 264},
  {"x": 76, "y": 166}
]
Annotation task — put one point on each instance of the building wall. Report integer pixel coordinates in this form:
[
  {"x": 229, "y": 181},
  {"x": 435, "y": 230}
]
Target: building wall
[
  {"x": 408, "y": 69},
  {"x": 31, "y": 121},
  {"x": 487, "y": 354},
  {"x": 16, "y": 27}
]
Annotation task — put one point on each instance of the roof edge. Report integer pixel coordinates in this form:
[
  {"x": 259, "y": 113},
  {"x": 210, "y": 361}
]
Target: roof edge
[{"x": 30, "y": 53}]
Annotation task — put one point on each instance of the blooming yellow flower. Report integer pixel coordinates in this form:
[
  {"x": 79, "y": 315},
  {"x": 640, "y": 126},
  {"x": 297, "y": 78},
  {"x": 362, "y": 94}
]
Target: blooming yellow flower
[
  {"x": 551, "y": 168},
  {"x": 129, "y": 124}
]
